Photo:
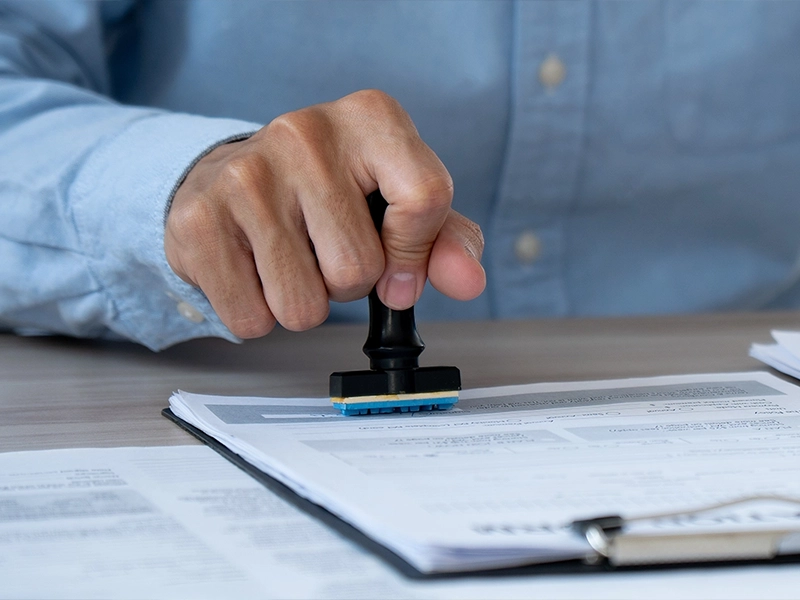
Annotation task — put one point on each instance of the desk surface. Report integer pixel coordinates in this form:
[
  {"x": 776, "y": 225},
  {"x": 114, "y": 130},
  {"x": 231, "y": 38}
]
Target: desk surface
[{"x": 58, "y": 393}]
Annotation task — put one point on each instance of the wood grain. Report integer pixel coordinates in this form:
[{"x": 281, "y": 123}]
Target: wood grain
[{"x": 59, "y": 392}]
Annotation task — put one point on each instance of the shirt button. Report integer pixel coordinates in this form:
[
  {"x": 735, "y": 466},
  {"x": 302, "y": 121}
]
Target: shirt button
[
  {"x": 190, "y": 313},
  {"x": 552, "y": 72},
  {"x": 527, "y": 247}
]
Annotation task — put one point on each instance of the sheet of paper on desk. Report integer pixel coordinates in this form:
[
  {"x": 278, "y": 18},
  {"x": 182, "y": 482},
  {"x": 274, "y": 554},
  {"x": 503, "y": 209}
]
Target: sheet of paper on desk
[
  {"x": 497, "y": 481},
  {"x": 783, "y": 355},
  {"x": 181, "y": 522},
  {"x": 166, "y": 522}
]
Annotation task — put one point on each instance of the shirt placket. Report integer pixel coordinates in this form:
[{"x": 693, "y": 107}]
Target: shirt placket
[{"x": 543, "y": 159}]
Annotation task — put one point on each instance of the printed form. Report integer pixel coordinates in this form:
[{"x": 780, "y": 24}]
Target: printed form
[
  {"x": 181, "y": 522},
  {"x": 498, "y": 480},
  {"x": 166, "y": 522}
]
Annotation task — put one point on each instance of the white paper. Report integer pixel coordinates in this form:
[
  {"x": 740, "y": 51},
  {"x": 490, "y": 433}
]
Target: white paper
[
  {"x": 783, "y": 355},
  {"x": 72, "y": 525},
  {"x": 173, "y": 522},
  {"x": 498, "y": 480}
]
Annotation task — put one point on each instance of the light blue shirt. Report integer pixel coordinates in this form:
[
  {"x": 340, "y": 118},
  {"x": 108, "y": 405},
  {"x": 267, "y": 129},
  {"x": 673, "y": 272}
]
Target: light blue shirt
[{"x": 621, "y": 157}]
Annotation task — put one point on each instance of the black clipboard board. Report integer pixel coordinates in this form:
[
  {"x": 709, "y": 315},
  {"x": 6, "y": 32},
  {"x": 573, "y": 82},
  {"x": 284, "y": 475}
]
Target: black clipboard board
[{"x": 348, "y": 531}]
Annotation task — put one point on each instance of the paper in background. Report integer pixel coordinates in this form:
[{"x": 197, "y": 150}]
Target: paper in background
[{"x": 783, "y": 355}]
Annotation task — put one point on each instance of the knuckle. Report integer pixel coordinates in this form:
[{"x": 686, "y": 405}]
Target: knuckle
[
  {"x": 303, "y": 128},
  {"x": 387, "y": 118},
  {"x": 302, "y": 316},
  {"x": 195, "y": 225},
  {"x": 410, "y": 253},
  {"x": 372, "y": 101},
  {"x": 432, "y": 194},
  {"x": 245, "y": 173},
  {"x": 252, "y": 326},
  {"x": 304, "y": 138},
  {"x": 402, "y": 248},
  {"x": 354, "y": 276},
  {"x": 286, "y": 127}
]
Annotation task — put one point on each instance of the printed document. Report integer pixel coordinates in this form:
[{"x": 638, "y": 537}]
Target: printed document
[
  {"x": 181, "y": 522},
  {"x": 498, "y": 480},
  {"x": 166, "y": 522}
]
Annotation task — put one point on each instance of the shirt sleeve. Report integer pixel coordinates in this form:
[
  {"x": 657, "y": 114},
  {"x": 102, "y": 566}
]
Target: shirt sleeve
[{"x": 84, "y": 186}]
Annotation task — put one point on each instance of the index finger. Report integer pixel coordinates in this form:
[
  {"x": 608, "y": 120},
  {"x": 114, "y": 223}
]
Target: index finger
[
  {"x": 414, "y": 217},
  {"x": 390, "y": 155}
]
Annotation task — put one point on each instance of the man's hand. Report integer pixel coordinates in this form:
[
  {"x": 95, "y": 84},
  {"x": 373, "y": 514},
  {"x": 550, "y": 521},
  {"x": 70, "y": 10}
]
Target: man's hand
[{"x": 275, "y": 226}]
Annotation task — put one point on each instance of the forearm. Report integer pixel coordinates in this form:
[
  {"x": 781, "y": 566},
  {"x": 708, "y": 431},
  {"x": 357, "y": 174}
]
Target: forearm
[{"x": 84, "y": 186}]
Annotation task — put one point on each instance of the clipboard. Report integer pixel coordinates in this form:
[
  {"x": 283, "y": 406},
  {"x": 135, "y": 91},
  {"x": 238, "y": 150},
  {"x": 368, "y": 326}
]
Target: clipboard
[
  {"x": 611, "y": 543},
  {"x": 613, "y": 548}
]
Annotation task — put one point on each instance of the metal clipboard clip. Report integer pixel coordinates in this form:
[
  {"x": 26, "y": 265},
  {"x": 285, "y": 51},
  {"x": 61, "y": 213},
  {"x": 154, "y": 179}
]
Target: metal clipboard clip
[{"x": 615, "y": 546}]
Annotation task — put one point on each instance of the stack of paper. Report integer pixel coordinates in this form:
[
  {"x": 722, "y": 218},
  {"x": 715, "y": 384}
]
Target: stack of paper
[
  {"x": 498, "y": 480},
  {"x": 784, "y": 355},
  {"x": 180, "y": 522}
]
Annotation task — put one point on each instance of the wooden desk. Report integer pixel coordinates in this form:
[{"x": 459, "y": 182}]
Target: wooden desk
[{"x": 57, "y": 393}]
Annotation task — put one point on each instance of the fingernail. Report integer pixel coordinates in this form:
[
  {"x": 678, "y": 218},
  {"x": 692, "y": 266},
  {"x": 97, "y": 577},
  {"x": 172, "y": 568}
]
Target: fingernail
[
  {"x": 401, "y": 290},
  {"x": 471, "y": 250},
  {"x": 473, "y": 244}
]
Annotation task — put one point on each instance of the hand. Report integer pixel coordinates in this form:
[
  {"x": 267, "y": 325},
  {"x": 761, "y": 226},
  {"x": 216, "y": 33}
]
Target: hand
[{"x": 275, "y": 226}]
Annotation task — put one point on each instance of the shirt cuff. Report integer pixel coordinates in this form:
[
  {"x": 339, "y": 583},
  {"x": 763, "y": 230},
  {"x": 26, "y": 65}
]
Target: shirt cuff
[{"x": 120, "y": 199}]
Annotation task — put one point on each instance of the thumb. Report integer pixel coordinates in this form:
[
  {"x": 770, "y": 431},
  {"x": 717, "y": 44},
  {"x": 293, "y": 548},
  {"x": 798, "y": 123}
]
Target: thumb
[{"x": 454, "y": 268}]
